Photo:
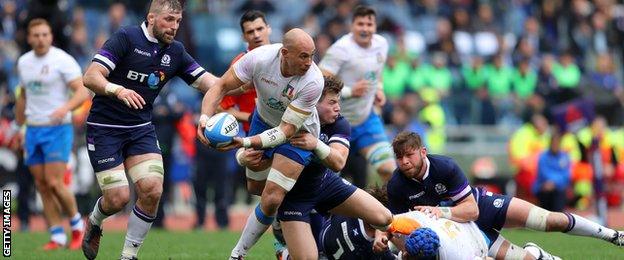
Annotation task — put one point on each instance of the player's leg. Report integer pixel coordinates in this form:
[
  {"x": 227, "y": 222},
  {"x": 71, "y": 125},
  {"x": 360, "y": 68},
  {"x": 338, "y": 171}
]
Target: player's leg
[
  {"x": 502, "y": 249},
  {"x": 281, "y": 178},
  {"x": 524, "y": 214},
  {"x": 364, "y": 206},
  {"x": 147, "y": 173},
  {"x": 51, "y": 211},
  {"x": 371, "y": 141},
  {"x": 300, "y": 241}
]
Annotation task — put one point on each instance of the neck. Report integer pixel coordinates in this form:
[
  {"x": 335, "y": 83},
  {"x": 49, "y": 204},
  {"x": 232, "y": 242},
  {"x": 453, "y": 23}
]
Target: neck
[
  {"x": 284, "y": 68},
  {"x": 41, "y": 52}
]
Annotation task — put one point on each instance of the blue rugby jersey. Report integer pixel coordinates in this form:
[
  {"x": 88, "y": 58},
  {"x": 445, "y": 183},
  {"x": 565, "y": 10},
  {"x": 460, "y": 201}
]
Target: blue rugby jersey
[
  {"x": 137, "y": 61},
  {"x": 346, "y": 238},
  {"x": 444, "y": 184}
]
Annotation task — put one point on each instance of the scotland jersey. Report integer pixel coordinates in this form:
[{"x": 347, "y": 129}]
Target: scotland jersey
[
  {"x": 139, "y": 62},
  {"x": 352, "y": 63},
  {"x": 443, "y": 184},
  {"x": 276, "y": 92},
  {"x": 346, "y": 238}
]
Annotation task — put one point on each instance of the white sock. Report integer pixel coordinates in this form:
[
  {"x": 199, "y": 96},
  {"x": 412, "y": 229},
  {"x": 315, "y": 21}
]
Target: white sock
[
  {"x": 257, "y": 224},
  {"x": 57, "y": 234},
  {"x": 76, "y": 222},
  {"x": 97, "y": 215},
  {"x": 138, "y": 226},
  {"x": 581, "y": 226}
]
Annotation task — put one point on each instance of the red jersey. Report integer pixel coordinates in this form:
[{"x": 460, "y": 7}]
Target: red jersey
[{"x": 246, "y": 102}]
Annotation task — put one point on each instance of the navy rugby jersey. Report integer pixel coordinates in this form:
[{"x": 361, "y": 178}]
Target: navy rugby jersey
[
  {"x": 444, "y": 184},
  {"x": 135, "y": 60},
  {"x": 346, "y": 238},
  {"x": 340, "y": 132}
]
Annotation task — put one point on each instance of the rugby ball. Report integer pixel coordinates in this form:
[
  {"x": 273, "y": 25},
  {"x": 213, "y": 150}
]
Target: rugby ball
[{"x": 221, "y": 129}]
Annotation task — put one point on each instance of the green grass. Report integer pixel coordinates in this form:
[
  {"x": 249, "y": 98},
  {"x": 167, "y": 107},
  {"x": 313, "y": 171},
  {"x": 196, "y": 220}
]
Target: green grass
[{"x": 217, "y": 245}]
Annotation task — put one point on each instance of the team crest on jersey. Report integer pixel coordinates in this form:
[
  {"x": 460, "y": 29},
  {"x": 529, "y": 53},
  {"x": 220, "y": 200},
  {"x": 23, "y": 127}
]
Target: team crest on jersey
[
  {"x": 440, "y": 188},
  {"x": 45, "y": 70},
  {"x": 155, "y": 78},
  {"x": 323, "y": 137},
  {"x": 379, "y": 57},
  {"x": 288, "y": 92},
  {"x": 275, "y": 104},
  {"x": 498, "y": 203},
  {"x": 166, "y": 59}
]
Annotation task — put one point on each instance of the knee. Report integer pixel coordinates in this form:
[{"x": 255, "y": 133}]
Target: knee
[
  {"x": 43, "y": 187},
  {"x": 254, "y": 187},
  {"x": 117, "y": 200},
  {"x": 557, "y": 221},
  {"x": 150, "y": 193},
  {"x": 271, "y": 200}
]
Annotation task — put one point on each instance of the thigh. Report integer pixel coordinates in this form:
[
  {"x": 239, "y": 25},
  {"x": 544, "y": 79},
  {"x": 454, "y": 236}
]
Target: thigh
[
  {"x": 33, "y": 154},
  {"x": 518, "y": 212},
  {"x": 339, "y": 196},
  {"x": 300, "y": 241},
  {"x": 368, "y": 133}
]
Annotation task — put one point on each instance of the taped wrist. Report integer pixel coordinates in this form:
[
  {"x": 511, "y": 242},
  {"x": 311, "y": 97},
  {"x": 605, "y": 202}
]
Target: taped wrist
[
  {"x": 239, "y": 156},
  {"x": 271, "y": 138},
  {"x": 446, "y": 212},
  {"x": 321, "y": 150},
  {"x": 112, "y": 89}
]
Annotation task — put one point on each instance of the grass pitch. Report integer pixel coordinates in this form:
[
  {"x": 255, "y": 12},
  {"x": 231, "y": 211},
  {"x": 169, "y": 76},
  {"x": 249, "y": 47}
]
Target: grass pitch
[{"x": 217, "y": 245}]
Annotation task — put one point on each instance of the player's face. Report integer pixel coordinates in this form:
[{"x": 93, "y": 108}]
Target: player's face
[
  {"x": 299, "y": 59},
  {"x": 256, "y": 33},
  {"x": 412, "y": 162},
  {"x": 363, "y": 28},
  {"x": 166, "y": 25},
  {"x": 40, "y": 38},
  {"x": 328, "y": 108}
]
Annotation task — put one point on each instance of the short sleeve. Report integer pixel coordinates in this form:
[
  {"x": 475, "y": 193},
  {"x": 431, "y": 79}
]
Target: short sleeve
[
  {"x": 306, "y": 99},
  {"x": 114, "y": 49},
  {"x": 458, "y": 183},
  {"x": 244, "y": 67},
  {"x": 70, "y": 70},
  {"x": 342, "y": 132},
  {"x": 333, "y": 59},
  {"x": 190, "y": 71}
]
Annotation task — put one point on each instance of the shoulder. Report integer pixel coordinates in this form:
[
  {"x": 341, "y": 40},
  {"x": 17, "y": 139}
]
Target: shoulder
[
  {"x": 315, "y": 75},
  {"x": 340, "y": 126},
  {"x": 61, "y": 54},
  {"x": 26, "y": 57},
  {"x": 380, "y": 40},
  {"x": 441, "y": 160}
]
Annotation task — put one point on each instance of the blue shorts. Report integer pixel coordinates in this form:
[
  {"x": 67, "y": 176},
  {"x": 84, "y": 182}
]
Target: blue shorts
[
  {"x": 492, "y": 213},
  {"x": 330, "y": 191},
  {"x": 46, "y": 144},
  {"x": 369, "y": 132},
  {"x": 109, "y": 146},
  {"x": 298, "y": 155}
]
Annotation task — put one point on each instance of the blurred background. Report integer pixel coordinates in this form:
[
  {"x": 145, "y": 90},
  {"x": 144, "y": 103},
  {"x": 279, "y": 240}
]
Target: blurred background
[{"x": 484, "y": 82}]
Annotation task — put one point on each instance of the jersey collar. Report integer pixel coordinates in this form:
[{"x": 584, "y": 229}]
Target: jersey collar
[{"x": 147, "y": 35}]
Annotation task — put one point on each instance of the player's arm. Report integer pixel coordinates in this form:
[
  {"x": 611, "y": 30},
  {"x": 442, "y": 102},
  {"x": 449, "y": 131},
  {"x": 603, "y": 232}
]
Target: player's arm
[
  {"x": 81, "y": 94},
  {"x": 465, "y": 210},
  {"x": 20, "y": 105},
  {"x": 95, "y": 80},
  {"x": 334, "y": 155},
  {"x": 205, "y": 81},
  {"x": 291, "y": 122}
]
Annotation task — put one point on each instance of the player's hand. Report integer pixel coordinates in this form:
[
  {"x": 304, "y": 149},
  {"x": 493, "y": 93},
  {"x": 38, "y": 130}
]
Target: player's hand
[
  {"x": 131, "y": 98},
  {"x": 58, "y": 115},
  {"x": 201, "y": 126},
  {"x": 380, "y": 98},
  {"x": 360, "y": 88},
  {"x": 236, "y": 143},
  {"x": 251, "y": 157},
  {"x": 433, "y": 212},
  {"x": 304, "y": 141},
  {"x": 380, "y": 243}
]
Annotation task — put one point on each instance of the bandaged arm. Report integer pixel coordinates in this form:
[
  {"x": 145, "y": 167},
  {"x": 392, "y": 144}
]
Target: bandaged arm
[{"x": 292, "y": 120}]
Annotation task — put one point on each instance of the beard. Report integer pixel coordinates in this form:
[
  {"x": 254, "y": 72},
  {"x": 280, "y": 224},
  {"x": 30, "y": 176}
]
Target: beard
[{"x": 161, "y": 36}]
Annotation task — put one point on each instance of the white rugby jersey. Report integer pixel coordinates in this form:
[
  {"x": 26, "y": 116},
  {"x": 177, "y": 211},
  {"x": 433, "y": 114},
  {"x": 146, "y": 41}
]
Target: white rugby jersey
[
  {"x": 457, "y": 240},
  {"x": 351, "y": 63},
  {"x": 276, "y": 92},
  {"x": 45, "y": 79}
]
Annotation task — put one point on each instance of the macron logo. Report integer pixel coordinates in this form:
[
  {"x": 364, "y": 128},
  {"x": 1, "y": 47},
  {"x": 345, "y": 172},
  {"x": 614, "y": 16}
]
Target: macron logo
[
  {"x": 417, "y": 195},
  {"x": 142, "y": 52}
]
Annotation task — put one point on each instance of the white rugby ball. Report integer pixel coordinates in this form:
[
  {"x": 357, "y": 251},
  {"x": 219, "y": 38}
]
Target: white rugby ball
[{"x": 221, "y": 129}]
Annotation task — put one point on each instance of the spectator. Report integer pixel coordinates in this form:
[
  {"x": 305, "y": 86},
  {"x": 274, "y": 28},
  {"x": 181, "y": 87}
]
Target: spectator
[
  {"x": 568, "y": 76},
  {"x": 553, "y": 176},
  {"x": 395, "y": 78}
]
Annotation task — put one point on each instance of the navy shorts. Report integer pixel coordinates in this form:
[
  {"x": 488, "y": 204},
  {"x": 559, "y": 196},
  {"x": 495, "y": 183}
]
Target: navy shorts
[
  {"x": 298, "y": 155},
  {"x": 492, "y": 212},
  {"x": 109, "y": 146},
  {"x": 324, "y": 195}
]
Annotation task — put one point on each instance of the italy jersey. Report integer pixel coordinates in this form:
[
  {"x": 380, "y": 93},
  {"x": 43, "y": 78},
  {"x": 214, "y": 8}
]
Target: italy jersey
[
  {"x": 275, "y": 92},
  {"x": 45, "y": 79},
  {"x": 457, "y": 240},
  {"x": 352, "y": 63}
]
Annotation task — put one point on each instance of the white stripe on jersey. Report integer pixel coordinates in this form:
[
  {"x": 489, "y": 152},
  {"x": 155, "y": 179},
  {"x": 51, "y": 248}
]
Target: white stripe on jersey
[
  {"x": 339, "y": 139},
  {"x": 103, "y": 58},
  {"x": 197, "y": 71},
  {"x": 462, "y": 193}
]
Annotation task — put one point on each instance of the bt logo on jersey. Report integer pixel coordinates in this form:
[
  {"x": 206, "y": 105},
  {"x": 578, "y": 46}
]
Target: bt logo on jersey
[
  {"x": 153, "y": 79},
  {"x": 133, "y": 75}
]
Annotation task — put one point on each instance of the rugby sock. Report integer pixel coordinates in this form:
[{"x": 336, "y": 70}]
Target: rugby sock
[
  {"x": 139, "y": 224},
  {"x": 97, "y": 215},
  {"x": 581, "y": 226},
  {"x": 76, "y": 222},
  {"x": 58, "y": 235},
  {"x": 257, "y": 224}
]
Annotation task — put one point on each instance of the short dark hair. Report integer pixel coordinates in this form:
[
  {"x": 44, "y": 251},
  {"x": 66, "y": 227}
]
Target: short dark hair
[
  {"x": 362, "y": 10},
  {"x": 157, "y": 6},
  {"x": 404, "y": 141},
  {"x": 332, "y": 86},
  {"x": 380, "y": 193},
  {"x": 37, "y": 22},
  {"x": 251, "y": 16}
]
